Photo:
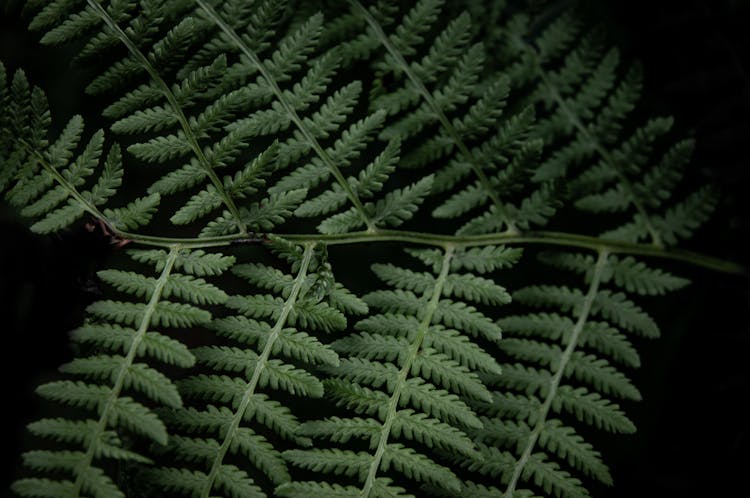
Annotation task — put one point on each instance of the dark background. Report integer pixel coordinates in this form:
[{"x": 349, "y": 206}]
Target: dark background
[
  {"x": 694, "y": 432},
  {"x": 694, "y": 424}
]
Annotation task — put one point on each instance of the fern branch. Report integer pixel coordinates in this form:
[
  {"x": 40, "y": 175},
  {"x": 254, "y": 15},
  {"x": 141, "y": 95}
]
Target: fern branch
[
  {"x": 258, "y": 370},
  {"x": 173, "y": 102},
  {"x": 557, "y": 377},
  {"x": 591, "y": 139},
  {"x": 283, "y": 100},
  {"x": 561, "y": 239},
  {"x": 444, "y": 121},
  {"x": 124, "y": 368},
  {"x": 424, "y": 325}
]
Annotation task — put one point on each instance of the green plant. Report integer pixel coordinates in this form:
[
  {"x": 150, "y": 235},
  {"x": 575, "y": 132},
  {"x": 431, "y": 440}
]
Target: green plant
[{"x": 252, "y": 119}]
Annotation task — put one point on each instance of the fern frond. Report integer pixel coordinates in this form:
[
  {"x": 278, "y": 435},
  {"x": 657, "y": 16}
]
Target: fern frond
[
  {"x": 252, "y": 117},
  {"x": 144, "y": 58}
]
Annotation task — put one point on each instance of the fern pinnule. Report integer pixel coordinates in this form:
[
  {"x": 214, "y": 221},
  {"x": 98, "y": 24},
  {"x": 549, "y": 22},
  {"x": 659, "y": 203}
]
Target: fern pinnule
[
  {"x": 369, "y": 181},
  {"x": 26, "y": 115},
  {"x": 239, "y": 411},
  {"x": 626, "y": 273}
]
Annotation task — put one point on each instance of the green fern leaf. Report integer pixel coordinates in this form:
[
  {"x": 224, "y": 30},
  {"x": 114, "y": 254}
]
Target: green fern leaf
[
  {"x": 567, "y": 444},
  {"x": 254, "y": 115},
  {"x": 592, "y": 409},
  {"x": 332, "y": 461}
]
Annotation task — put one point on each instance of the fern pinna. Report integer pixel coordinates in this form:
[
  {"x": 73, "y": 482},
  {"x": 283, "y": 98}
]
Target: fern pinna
[
  {"x": 309, "y": 300},
  {"x": 562, "y": 367},
  {"x": 443, "y": 106},
  {"x": 409, "y": 368},
  {"x": 46, "y": 179},
  {"x": 587, "y": 101},
  {"x": 295, "y": 126}
]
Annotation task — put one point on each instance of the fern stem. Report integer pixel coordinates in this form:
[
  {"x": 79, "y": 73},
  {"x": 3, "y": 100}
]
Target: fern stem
[
  {"x": 281, "y": 98},
  {"x": 259, "y": 366},
  {"x": 424, "y": 326},
  {"x": 184, "y": 123},
  {"x": 563, "y": 239},
  {"x": 444, "y": 121},
  {"x": 123, "y": 372},
  {"x": 440, "y": 240},
  {"x": 557, "y": 378},
  {"x": 598, "y": 147}
]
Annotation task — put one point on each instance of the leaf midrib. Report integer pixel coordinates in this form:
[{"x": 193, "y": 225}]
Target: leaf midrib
[
  {"x": 124, "y": 367},
  {"x": 260, "y": 364}
]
